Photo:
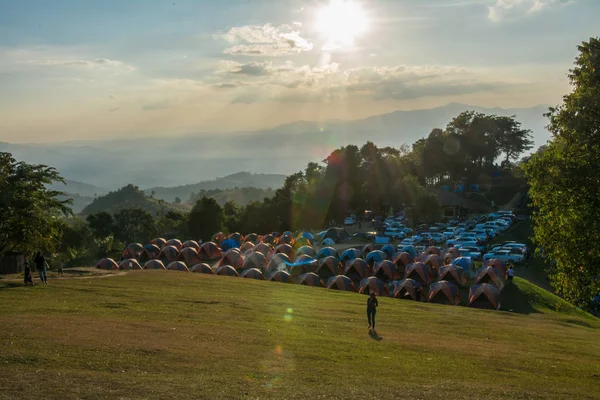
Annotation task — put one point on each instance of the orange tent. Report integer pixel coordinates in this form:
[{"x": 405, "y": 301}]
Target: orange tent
[
  {"x": 444, "y": 292},
  {"x": 269, "y": 239},
  {"x": 209, "y": 251},
  {"x": 233, "y": 258},
  {"x": 191, "y": 243},
  {"x": 218, "y": 237},
  {"x": 177, "y": 266},
  {"x": 484, "y": 296},
  {"x": 286, "y": 249},
  {"x": 251, "y": 237},
  {"x": 409, "y": 288},
  {"x": 403, "y": 260},
  {"x": 452, "y": 253},
  {"x": 328, "y": 267},
  {"x": 494, "y": 262},
  {"x": 373, "y": 285},
  {"x": 454, "y": 274},
  {"x": 310, "y": 279},
  {"x": 490, "y": 275},
  {"x": 246, "y": 246},
  {"x": 131, "y": 263},
  {"x": 150, "y": 252},
  {"x": 386, "y": 271},
  {"x": 168, "y": 254},
  {"x": 202, "y": 269},
  {"x": 367, "y": 248},
  {"x": 253, "y": 273},
  {"x": 227, "y": 270},
  {"x": 154, "y": 264},
  {"x": 189, "y": 256},
  {"x": 255, "y": 260},
  {"x": 434, "y": 262},
  {"x": 341, "y": 282},
  {"x": 174, "y": 242},
  {"x": 434, "y": 250},
  {"x": 107, "y": 263},
  {"x": 419, "y": 272},
  {"x": 281, "y": 276},
  {"x": 278, "y": 262},
  {"x": 160, "y": 242},
  {"x": 133, "y": 250},
  {"x": 265, "y": 249},
  {"x": 357, "y": 269}
]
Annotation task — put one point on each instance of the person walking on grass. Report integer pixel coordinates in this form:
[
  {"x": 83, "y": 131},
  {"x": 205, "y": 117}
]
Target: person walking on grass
[
  {"x": 40, "y": 266},
  {"x": 511, "y": 273},
  {"x": 371, "y": 311},
  {"x": 28, "y": 275}
]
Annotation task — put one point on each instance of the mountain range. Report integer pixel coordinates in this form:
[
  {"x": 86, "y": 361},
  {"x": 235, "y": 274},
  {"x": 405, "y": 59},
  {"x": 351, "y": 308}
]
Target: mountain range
[{"x": 156, "y": 163}]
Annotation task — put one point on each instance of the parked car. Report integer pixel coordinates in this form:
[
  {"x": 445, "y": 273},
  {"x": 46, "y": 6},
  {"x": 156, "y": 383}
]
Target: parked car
[
  {"x": 370, "y": 236},
  {"x": 408, "y": 242},
  {"x": 472, "y": 252},
  {"x": 507, "y": 256},
  {"x": 511, "y": 246},
  {"x": 394, "y": 233}
]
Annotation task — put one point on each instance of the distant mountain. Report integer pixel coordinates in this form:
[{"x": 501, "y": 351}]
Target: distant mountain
[
  {"x": 79, "y": 188},
  {"x": 175, "y": 161},
  {"x": 237, "y": 180},
  {"x": 240, "y": 196}
]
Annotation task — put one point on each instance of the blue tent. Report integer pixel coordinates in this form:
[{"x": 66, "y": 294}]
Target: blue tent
[
  {"x": 375, "y": 257},
  {"x": 326, "y": 252},
  {"x": 466, "y": 264},
  {"x": 308, "y": 235},
  {"x": 228, "y": 244},
  {"x": 474, "y": 188},
  {"x": 389, "y": 250},
  {"x": 410, "y": 250},
  {"x": 350, "y": 254},
  {"x": 445, "y": 187},
  {"x": 459, "y": 188}
]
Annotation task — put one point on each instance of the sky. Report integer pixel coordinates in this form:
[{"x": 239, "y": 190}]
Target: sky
[{"x": 78, "y": 70}]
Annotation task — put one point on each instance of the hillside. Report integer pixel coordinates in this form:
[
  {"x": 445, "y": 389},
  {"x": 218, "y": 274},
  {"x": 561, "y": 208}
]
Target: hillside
[
  {"x": 127, "y": 197},
  {"x": 237, "y": 180},
  {"x": 78, "y": 188},
  {"x": 240, "y": 196},
  {"x": 158, "y": 335},
  {"x": 171, "y": 161}
]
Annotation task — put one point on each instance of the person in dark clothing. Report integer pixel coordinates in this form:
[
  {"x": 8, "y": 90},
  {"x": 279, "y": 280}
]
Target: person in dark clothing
[
  {"x": 371, "y": 311},
  {"x": 28, "y": 276},
  {"x": 40, "y": 266}
]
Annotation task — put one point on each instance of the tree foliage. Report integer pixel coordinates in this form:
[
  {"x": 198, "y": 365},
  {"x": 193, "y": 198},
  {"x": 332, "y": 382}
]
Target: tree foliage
[
  {"x": 31, "y": 213},
  {"x": 565, "y": 183},
  {"x": 205, "y": 219}
]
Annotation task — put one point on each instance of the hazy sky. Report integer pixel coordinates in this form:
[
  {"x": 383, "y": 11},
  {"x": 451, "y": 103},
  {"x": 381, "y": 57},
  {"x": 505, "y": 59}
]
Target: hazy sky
[{"x": 73, "y": 69}]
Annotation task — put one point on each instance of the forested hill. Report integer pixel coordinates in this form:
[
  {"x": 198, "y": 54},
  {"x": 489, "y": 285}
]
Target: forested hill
[{"x": 225, "y": 184}]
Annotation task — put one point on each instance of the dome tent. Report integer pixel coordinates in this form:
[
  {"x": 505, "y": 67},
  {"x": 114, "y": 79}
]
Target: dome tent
[
  {"x": 386, "y": 271},
  {"x": 341, "y": 282},
  {"x": 281, "y": 276},
  {"x": 444, "y": 292},
  {"x": 484, "y": 296},
  {"x": 130, "y": 264},
  {"x": 154, "y": 264},
  {"x": 310, "y": 279},
  {"x": 328, "y": 267},
  {"x": 107, "y": 264},
  {"x": 409, "y": 288},
  {"x": 178, "y": 266},
  {"x": 373, "y": 285},
  {"x": 202, "y": 269}
]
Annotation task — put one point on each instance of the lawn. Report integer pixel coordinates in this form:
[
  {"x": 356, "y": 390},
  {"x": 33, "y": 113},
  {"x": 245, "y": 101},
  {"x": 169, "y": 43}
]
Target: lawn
[{"x": 171, "y": 335}]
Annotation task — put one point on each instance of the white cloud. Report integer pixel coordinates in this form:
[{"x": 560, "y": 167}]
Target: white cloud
[
  {"x": 504, "y": 9},
  {"x": 93, "y": 63},
  {"x": 265, "y": 40}
]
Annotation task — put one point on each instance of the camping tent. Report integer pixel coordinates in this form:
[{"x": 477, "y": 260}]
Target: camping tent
[
  {"x": 308, "y": 250},
  {"x": 191, "y": 243},
  {"x": 434, "y": 250},
  {"x": 233, "y": 258},
  {"x": 149, "y": 252},
  {"x": 218, "y": 237},
  {"x": 484, "y": 296},
  {"x": 474, "y": 188},
  {"x": 253, "y": 273},
  {"x": 350, "y": 254},
  {"x": 444, "y": 292},
  {"x": 236, "y": 237},
  {"x": 409, "y": 288},
  {"x": 491, "y": 275},
  {"x": 251, "y": 237},
  {"x": 286, "y": 249},
  {"x": 326, "y": 252},
  {"x": 367, "y": 248},
  {"x": 466, "y": 264},
  {"x": 341, "y": 282},
  {"x": 168, "y": 254},
  {"x": 154, "y": 264},
  {"x": 255, "y": 260},
  {"x": 160, "y": 242},
  {"x": 107, "y": 263},
  {"x": 302, "y": 265},
  {"x": 209, "y": 251},
  {"x": 202, "y": 268},
  {"x": 386, "y": 271},
  {"x": 389, "y": 250},
  {"x": 410, "y": 250},
  {"x": 226, "y": 270},
  {"x": 403, "y": 260},
  {"x": 357, "y": 269},
  {"x": 328, "y": 242},
  {"x": 452, "y": 253},
  {"x": 265, "y": 249},
  {"x": 269, "y": 239},
  {"x": 309, "y": 279},
  {"x": 133, "y": 250},
  {"x": 177, "y": 266},
  {"x": 337, "y": 234},
  {"x": 308, "y": 236},
  {"x": 328, "y": 267},
  {"x": 189, "y": 256},
  {"x": 246, "y": 246},
  {"x": 494, "y": 262},
  {"x": 130, "y": 263},
  {"x": 281, "y": 276},
  {"x": 452, "y": 273},
  {"x": 175, "y": 243},
  {"x": 229, "y": 244},
  {"x": 419, "y": 272},
  {"x": 373, "y": 285},
  {"x": 301, "y": 241},
  {"x": 375, "y": 256}
]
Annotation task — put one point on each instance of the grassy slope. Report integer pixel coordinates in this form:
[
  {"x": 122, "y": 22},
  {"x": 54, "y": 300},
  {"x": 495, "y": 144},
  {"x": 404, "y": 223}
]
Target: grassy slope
[{"x": 166, "y": 335}]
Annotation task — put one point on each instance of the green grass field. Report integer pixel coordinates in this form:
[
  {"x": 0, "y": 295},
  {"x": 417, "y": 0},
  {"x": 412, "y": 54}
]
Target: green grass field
[{"x": 171, "y": 335}]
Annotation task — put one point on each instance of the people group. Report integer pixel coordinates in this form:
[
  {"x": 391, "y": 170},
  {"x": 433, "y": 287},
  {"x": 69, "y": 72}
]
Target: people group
[{"x": 41, "y": 266}]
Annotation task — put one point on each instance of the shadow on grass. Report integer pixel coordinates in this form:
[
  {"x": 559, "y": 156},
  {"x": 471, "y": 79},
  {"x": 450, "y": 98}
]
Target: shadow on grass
[
  {"x": 11, "y": 285},
  {"x": 515, "y": 300},
  {"x": 375, "y": 336}
]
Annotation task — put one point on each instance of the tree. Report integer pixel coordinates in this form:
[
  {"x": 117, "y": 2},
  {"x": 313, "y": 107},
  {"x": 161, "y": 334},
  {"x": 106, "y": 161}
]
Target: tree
[
  {"x": 512, "y": 139},
  {"x": 101, "y": 224},
  {"x": 31, "y": 213},
  {"x": 231, "y": 215},
  {"x": 565, "y": 184},
  {"x": 205, "y": 219},
  {"x": 177, "y": 200},
  {"x": 134, "y": 225}
]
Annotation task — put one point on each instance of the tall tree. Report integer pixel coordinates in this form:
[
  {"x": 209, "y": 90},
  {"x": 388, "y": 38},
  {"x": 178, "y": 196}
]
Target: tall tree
[
  {"x": 565, "y": 183},
  {"x": 134, "y": 225},
  {"x": 205, "y": 219},
  {"x": 512, "y": 139},
  {"x": 30, "y": 212},
  {"x": 101, "y": 224}
]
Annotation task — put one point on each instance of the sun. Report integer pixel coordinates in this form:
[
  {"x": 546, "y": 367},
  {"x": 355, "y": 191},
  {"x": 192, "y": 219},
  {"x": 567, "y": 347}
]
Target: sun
[{"x": 341, "y": 22}]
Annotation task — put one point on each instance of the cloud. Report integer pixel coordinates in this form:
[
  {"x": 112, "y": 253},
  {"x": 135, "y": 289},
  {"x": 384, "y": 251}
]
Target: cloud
[
  {"x": 506, "y": 9},
  {"x": 265, "y": 40},
  {"x": 93, "y": 63},
  {"x": 114, "y": 109},
  {"x": 254, "y": 68},
  {"x": 157, "y": 105}
]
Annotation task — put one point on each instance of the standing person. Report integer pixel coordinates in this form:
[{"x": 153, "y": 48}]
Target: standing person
[
  {"x": 40, "y": 266},
  {"x": 371, "y": 311},
  {"x": 28, "y": 276},
  {"x": 511, "y": 273}
]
